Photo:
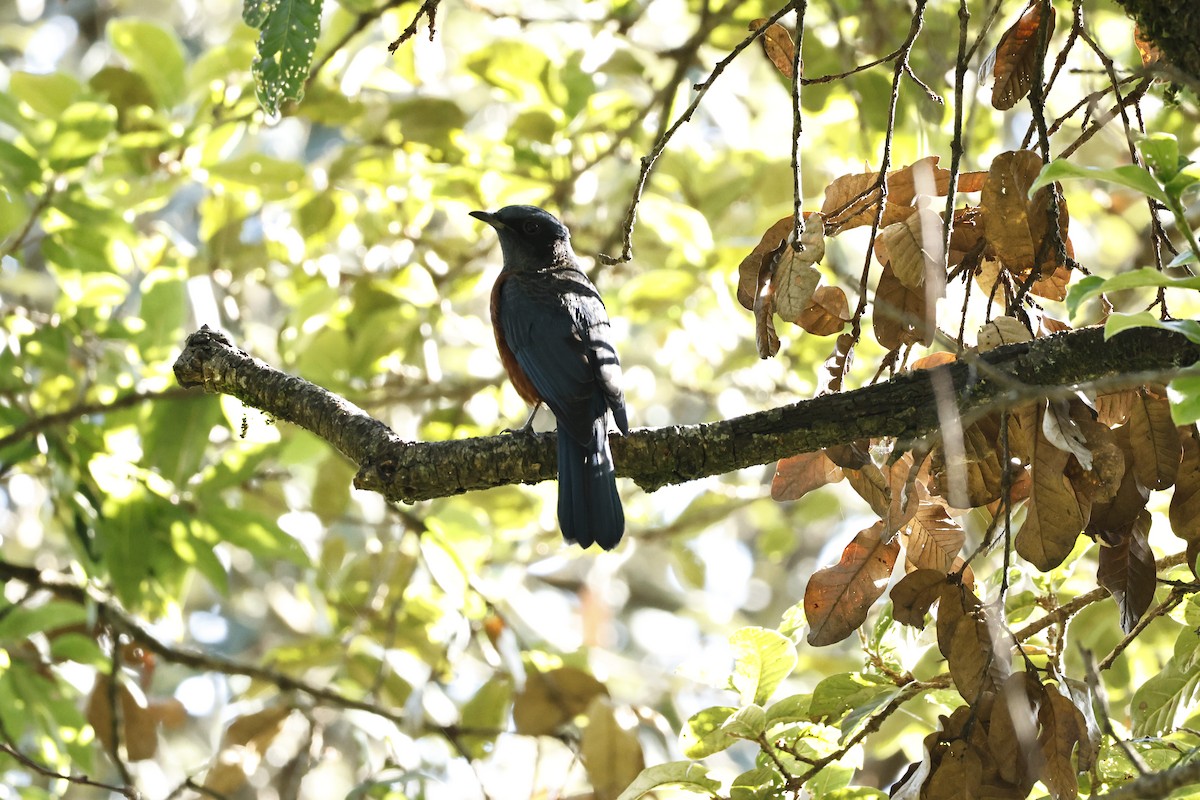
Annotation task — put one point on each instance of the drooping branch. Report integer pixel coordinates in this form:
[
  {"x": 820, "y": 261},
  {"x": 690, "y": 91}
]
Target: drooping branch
[{"x": 904, "y": 408}]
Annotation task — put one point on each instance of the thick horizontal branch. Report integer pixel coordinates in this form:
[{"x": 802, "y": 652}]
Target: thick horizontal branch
[{"x": 905, "y": 408}]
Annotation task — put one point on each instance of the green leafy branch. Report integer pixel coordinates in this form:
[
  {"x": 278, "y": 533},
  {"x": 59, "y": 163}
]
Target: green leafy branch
[{"x": 1166, "y": 178}]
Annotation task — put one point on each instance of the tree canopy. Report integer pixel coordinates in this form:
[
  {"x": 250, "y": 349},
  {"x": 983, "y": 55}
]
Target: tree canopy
[{"x": 905, "y": 300}]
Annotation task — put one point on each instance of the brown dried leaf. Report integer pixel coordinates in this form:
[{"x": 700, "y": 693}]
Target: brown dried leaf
[
  {"x": 972, "y": 478},
  {"x": 900, "y": 313},
  {"x": 1126, "y": 505},
  {"x": 853, "y": 455},
  {"x": 766, "y": 339},
  {"x": 611, "y": 753},
  {"x": 777, "y": 43},
  {"x": 1053, "y": 519},
  {"x": 958, "y": 774},
  {"x": 1064, "y": 432},
  {"x": 885, "y": 492},
  {"x": 1100, "y": 483},
  {"x": 1062, "y": 728},
  {"x": 798, "y": 475},
  {"x": 139, "y": 727},
  {"x": 1007, "y": 211},
  {"x": 977, "y": 663},
  {"x": 795, "y": 276},
  {"x": 1012, "y": 732},
  {"x": 967, "y": 239},
  {"x": 914, "y": 249},
  {"x": 932, "y": 539},
  {"x": 1127, "y": 570},
  {"x": 1185, "y": 501},
  {"x": 838, "y": 364},
  {"x": 1016, "y": 57},
  {"x": 933, "y": 360},
  {"x": 751, "y": 272},
  {"x": 1113, "y": 408},
  {"x": 1001, "y": 331},
  {"x": 844, "y": 208},
  {"x": 827, "y": 312},
  {"x": 1054, "y": 285},
  {"x": 913, "y": 595},
  {"x": 838, "y": 597},
  {"x": 552, "y": 698},
  {"x": 1147, "y": 49},
  {"x": 1157, "y": 448}
]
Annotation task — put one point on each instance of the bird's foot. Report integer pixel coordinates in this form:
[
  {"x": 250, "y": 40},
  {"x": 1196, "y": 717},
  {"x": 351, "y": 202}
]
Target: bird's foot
[{"x": 527, "y": 428}]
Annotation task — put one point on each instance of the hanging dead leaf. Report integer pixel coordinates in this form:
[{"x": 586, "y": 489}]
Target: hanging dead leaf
[
  {"x": 766, "y": 338},
  {"x": 967, "y": 240},
  {"x": 243, "y": 745},
  {"x": 1006, "y": 209},
  {"x": 884, "y": 492},
  {"x": 852, "y": 200},
  {"x": 827, "y": 312},
  {"x": 1017, "y": 55},
  {"x": 611, "y": 752},
  {"x": 1001, "y": 331},
  {"x": 755, "y": 267},
  {"x": 1185, "y": 501},
  {"x": 1100, "y": 483},
  {"x": 837, "y": 365},
  {"x": 971, "y": 478},
  {"x": 913, "y": 247},
  {"x": 900, "y": 313},
  {"x": 914, "y": 594},
  {"x": 990, "y": 277},
  {"x": 796, "y": 277},
  {"x": 777, "y": 43},
  {"x": 1062, "y": 729},
  {"x": 1012, "y": 731},
  {"x": 553, "y": 698},
  {"x": 932, "y": 539},
  {"x": 852, "y": 455},
  {"x": 798, "y": 475},
  {"x": 1126, "y": 569},
  {"x": 959, "y": 772},
  {"x": 1126, "y": 505},
  {"x": 1064, "y": 432},
  {"x": 838, "y": 597},
  {"x": 1147, "y": 49},
  {"x": 1053, "y": 519},
  {"x": 1113, "y": 408},
  {"x": 1054, "y": 285},
  {"x": 139, "y": 726},
  {"x": 1156, "y": 445},
  {"x": 1051, "y": 325},
  {"x": 978, "y": 663}
]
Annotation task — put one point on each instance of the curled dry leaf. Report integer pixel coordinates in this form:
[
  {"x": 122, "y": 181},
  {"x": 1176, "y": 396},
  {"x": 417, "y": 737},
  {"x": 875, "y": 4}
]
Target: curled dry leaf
[
  {"x": 1064, "y": 433},
  {"x": 1001, "y": 331},
  {"x": 553, "y": 698},
  {"x": 777, "y": 43},
  {"x": 913, "y": 247},
  {"x": 1157, "y": 448},
  {"x": 1185, "y": 501},
  {"x": 1017, "y": 53},
  {"x": 1147, "y": 49},
  {"x": 838, "y": 597},
  {"x": 1054, "y": 518},
  {"x": 796, "y": 277},
  {"x": 900, "y": 313},
  {"x": 1126, "y": 569},
  {"x": 1012, "y": 731},
  {"x": 852, "y": 200},
  {"x": 1130, "y": 498},
  {"x": 967, "y": 473},
  {"x": 914, "y": 594},
  {"x": 766, "y": 339},
  {"x": 1062, "y": 729},
  {"x": 934, "y": 360},
  {"x": 885, "y": 491},
  {"x": 754, "y": 269},
  {"x": 1099, "y": 482},
  {"x": 138, "y": 723},
  {"x": 611, "y": 752},
  {"x": 798, "y": 475},
  {"x": 827, "y": 312},
  {"x": 838, "y": 364}
]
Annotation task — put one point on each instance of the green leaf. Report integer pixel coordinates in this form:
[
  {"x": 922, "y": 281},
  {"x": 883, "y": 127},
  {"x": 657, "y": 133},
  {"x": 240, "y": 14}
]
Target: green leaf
[
  {"x": 837, "y": 695},
  {"x": 486, "y": 711},
  {"x": 21, "y": 621},
  {"x": 1184, "y": 257},
  {"x": 1160, "y": 151},
  {"x": 175, "y": 436},
  {"x": 154, "y": 52},
  {"x": 285, "y": 51},
  {"x": 18, "y": 167},
  {"x": 748, "y": 722},
  {"x": 789, "y": 709},
  {"x": 48, "y": 95},
  {"x": 1169, "y": 695},
  {"x": 1094, "y": 285},
  {"x": 273, "y": 177},
  {"x": 683, "y": 774},
  {"x": 255, "y": 12},
  {"x": 1130, "y": 176},
  {"x": 763, "y": 658},
  {"x": 703, "y": 734},
  {"x": 1184, "y": 394},
  {"x": 1144, "y": 319},
  {"x": 78, "y": 648},
  {"x": 255, "y": 534}
]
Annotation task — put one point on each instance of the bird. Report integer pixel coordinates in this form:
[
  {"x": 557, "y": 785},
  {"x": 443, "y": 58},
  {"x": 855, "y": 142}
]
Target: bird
[{"x": 555, "y": 343}]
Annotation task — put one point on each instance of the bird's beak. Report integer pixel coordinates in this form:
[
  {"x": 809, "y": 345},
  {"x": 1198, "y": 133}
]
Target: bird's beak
[{"x": 489, "y": 218}]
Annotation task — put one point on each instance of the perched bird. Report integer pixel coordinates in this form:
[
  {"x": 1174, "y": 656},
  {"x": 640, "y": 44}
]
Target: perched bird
[{"x": 555, "y": 343}]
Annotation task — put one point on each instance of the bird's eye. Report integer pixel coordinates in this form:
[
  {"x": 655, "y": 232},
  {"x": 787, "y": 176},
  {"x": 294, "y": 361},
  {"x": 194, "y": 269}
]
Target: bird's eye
[{"x": 530, "y": 227}]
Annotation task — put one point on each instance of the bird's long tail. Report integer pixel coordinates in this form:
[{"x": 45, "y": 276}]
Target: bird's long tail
[{"x": 589, "y": 507}]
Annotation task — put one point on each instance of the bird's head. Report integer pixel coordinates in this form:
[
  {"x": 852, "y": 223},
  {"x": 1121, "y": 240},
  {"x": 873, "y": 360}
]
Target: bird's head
[{"x": 530, "y": 237}]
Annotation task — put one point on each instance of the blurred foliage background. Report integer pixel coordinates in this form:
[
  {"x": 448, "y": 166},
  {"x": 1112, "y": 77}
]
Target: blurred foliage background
[{"x": 144, "y": 193}]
